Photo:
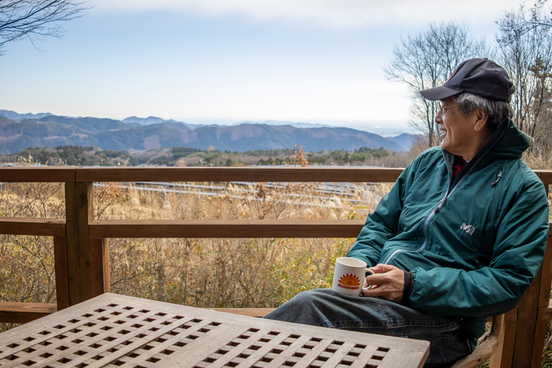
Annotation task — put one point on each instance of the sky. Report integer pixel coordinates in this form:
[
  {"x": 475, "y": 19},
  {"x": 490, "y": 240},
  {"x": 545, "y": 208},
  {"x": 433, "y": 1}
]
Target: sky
[{"x": 229, "y": 61}]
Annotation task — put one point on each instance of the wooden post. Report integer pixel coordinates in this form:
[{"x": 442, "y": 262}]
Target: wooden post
[
  {"x": 504, "y": 354},
  {"x": 61, "y": 269},
  {"x": 99, "y": 261},
  {"x": 526, "y": 324},
  {"x": 522, "y": 343},
  {"x": 79, "y": 212},
  {"x": 544, "y": 300}
]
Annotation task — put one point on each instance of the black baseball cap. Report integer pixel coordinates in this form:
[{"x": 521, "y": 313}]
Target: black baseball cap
[{"x": 481, "y": 77}]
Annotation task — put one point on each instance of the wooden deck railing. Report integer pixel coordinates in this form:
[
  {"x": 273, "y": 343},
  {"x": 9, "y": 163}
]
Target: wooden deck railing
[{"x": 82, "y": 254}]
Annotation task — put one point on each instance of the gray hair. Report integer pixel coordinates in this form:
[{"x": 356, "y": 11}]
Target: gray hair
[{"x": 497, "y": 110}]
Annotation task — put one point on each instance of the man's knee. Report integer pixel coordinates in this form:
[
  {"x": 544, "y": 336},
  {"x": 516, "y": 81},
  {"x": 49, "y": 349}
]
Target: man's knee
[
  {"x": 300, "y": 306},
  {"x": 313, "y": 298}
]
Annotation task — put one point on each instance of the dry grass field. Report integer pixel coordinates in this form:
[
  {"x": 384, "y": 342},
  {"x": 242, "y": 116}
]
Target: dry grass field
[{"x": 196, "y": 272}]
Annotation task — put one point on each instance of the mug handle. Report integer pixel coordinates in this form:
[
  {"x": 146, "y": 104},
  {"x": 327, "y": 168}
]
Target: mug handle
[{"x": 367, "y": 273}]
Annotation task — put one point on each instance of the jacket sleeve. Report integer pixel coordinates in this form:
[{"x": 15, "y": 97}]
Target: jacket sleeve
[
  {"x": 494, "y": 289},
  {"x": 381, "y": 224}
]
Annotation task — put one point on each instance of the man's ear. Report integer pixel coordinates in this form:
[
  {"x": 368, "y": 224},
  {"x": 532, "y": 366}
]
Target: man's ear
[{"x": 481, "y": 118}]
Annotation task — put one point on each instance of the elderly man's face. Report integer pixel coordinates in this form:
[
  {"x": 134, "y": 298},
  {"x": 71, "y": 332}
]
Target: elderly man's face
[{"x": 460, "y": 134}]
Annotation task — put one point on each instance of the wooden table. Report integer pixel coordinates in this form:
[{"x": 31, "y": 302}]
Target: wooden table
[{"x": 119, "y": 331}]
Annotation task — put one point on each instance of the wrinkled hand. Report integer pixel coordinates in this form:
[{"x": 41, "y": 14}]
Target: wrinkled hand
[{"x": 387, "y": 283}]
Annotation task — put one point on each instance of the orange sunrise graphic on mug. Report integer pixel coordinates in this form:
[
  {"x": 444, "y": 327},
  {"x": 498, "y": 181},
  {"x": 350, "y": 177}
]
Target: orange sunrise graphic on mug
[{"x": 349, "y": 281}]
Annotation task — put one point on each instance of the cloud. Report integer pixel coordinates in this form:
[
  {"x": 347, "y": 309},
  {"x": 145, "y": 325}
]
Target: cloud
[{"x": 332, "y": 13}]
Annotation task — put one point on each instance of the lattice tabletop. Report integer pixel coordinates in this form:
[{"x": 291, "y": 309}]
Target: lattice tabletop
[{"x": 119, "y": 331}]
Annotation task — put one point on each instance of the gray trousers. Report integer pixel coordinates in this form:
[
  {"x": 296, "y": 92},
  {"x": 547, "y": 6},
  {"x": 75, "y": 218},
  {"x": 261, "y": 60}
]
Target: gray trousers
[{"x": 324, "y": 307}]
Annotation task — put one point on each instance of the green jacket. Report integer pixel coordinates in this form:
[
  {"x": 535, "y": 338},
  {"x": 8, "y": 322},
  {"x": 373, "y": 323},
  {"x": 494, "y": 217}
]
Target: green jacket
[{"x": 473, "y": 245}]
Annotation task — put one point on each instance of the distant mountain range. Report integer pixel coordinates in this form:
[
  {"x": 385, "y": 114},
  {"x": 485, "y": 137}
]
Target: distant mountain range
[{"x": 19, "y": 131}]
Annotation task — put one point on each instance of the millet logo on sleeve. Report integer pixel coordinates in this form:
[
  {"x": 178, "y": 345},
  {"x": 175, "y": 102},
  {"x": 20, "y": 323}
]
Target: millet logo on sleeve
[{"x": 467, "y": 228}]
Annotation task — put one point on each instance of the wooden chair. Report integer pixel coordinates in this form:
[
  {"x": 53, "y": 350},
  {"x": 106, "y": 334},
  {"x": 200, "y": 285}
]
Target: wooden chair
[{"x": 486, "y": 346}]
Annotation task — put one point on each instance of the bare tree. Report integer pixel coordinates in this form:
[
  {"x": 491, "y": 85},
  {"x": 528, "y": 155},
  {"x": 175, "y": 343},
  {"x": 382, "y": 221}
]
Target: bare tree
[
  {"x": 525, "y": 51},
  {"x": 34, "y": 19},
  {"x": 427, "y": 60},
  {"x": 536, "y": 17}
]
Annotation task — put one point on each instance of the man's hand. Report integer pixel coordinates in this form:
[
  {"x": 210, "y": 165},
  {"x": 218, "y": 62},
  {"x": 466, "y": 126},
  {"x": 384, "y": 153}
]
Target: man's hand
[{"x": 387, "y": 283}]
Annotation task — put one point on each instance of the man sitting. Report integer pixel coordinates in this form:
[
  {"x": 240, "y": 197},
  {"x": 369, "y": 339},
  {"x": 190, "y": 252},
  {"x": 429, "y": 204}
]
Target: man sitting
[{"x": 459, "y": 237}]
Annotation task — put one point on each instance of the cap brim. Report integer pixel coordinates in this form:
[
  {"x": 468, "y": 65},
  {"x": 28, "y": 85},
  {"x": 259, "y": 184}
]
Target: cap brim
[{"x": 439, "y": 93}]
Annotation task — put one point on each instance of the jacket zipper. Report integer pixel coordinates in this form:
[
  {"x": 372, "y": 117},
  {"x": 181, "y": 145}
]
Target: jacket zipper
[
  {"x": 444, "y": 200},
  {"x": 432, "y": 215},
  {"x": 498, "y": 177}
]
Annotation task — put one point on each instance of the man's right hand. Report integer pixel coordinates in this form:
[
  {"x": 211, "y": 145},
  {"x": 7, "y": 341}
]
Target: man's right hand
[{"x": 387, "y": 283}]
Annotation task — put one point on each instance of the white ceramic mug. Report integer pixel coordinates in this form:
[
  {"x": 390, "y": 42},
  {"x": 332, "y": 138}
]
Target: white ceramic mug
[{"x": 349, "y": 275}]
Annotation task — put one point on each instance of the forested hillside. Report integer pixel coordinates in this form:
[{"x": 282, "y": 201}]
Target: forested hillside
[
  {"x": 184, "y": 156},
  {"x": 108, "y": 134}
]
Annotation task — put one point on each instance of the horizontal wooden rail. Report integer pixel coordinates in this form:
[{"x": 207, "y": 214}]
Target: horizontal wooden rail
[
  {"x": 204, "y": 174},
  {"x": 26, "y": 226},
  {"x": 46, "y": 174},
  {"x": 252, "y": 312},
  {"x": 546, "y": 312},
  {"x": 198, "y": 174},
  {"x": 510, "y": 316},
  {"x": 225, "y": 228},
  {"x": 545, "y": 176},
  {"x": 226, "y": 174},
  {"x": 25, "y": 312}
]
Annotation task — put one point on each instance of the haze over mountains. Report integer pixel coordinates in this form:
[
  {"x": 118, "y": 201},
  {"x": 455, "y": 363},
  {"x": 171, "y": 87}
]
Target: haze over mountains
[{"x": 19, "y": 131}]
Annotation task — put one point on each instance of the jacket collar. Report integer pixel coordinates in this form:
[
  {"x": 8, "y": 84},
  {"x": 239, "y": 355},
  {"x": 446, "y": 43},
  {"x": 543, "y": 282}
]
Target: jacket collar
[{"x": 508, "y": 142}]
